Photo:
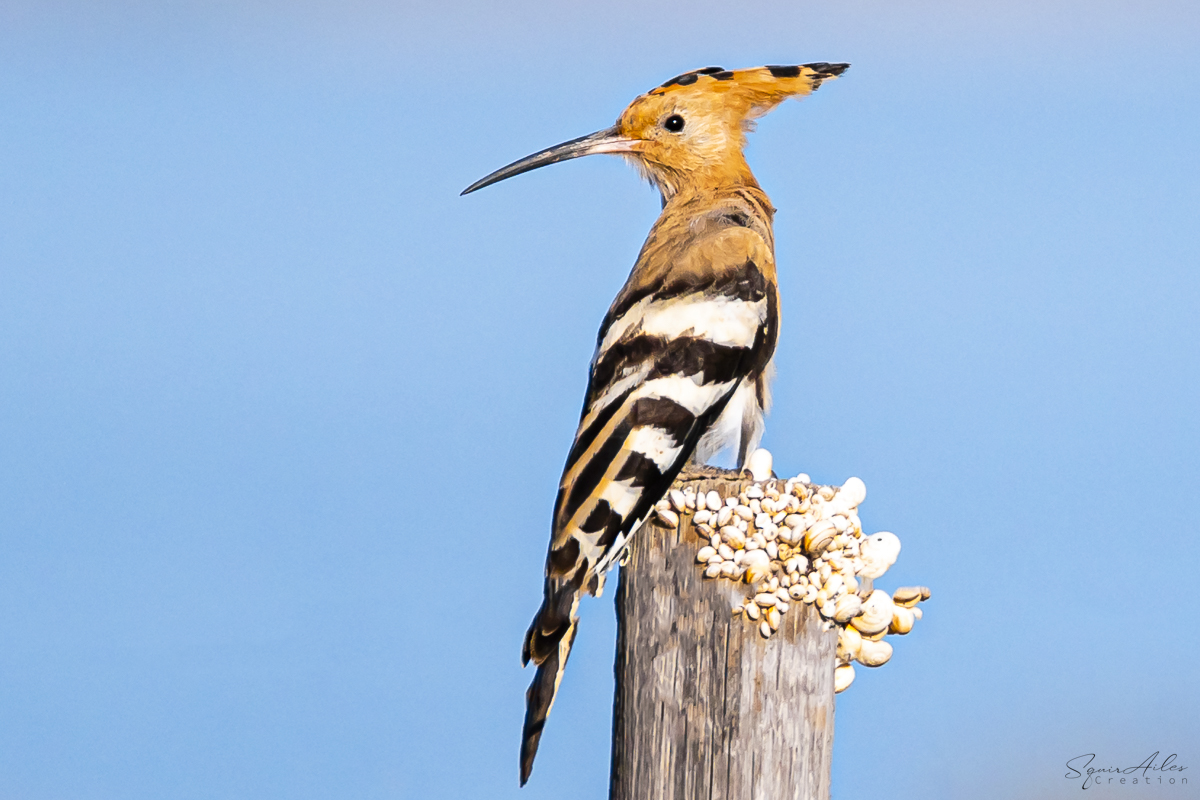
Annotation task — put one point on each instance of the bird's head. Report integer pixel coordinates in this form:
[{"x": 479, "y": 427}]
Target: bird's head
[{"x": 690, "y": 131}]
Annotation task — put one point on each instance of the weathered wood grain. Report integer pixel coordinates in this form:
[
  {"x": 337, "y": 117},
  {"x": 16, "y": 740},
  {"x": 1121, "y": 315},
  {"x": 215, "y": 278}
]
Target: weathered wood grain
[{"x": 705, "y": 708}]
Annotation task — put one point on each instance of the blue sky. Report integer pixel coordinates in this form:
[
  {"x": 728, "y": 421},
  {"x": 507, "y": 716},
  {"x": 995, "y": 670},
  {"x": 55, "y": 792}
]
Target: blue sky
[{"x": 282, "y": 416}]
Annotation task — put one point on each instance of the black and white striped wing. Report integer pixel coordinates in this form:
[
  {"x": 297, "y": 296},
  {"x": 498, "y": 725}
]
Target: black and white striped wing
[
  {"x": 670, "y": 356},
  {"x": 666, "y": 365}
]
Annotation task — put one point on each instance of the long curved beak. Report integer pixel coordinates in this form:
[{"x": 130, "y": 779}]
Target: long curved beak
[{"x": 608, "y": 140}]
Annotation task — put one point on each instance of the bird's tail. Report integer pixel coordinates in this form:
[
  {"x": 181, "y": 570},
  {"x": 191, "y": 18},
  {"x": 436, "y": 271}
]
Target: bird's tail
[{"x": 548, "y": 644}]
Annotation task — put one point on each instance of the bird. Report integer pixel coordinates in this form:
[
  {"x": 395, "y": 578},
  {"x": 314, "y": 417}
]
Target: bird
[{"x": 684, "y": 356}]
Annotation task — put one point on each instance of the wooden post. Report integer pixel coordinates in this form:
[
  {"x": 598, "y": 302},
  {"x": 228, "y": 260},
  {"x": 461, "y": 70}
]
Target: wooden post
[{"x": 706, "y": 708}]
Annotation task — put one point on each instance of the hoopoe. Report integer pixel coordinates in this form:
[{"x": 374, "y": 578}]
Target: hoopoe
[{"x": 684, "y": 356}]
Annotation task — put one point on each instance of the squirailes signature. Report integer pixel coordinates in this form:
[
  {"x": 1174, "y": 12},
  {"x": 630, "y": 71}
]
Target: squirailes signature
[{"x": 1081, "y": 767}]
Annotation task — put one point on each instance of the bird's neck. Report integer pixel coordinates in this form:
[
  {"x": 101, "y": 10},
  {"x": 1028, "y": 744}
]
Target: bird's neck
[
  {"x": 692, "y": 200},
  {"x": 703, "y": 180}
]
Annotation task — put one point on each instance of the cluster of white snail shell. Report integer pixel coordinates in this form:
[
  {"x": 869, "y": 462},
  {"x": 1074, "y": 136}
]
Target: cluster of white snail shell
[{"x": 795, "y": 542}]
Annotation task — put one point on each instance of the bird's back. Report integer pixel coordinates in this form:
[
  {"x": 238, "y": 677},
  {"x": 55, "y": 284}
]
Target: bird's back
[{"x": 687, "y": 341}]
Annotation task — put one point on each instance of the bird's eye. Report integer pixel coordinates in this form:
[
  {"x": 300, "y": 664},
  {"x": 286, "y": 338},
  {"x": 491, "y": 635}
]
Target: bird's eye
[{"x": 673, "y": 123}]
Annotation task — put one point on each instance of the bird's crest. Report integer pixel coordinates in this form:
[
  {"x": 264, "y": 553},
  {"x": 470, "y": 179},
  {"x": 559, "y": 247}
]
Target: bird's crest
[
  {"x": 754, "y": 91},
  {"x": 690, "y": 131}
]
